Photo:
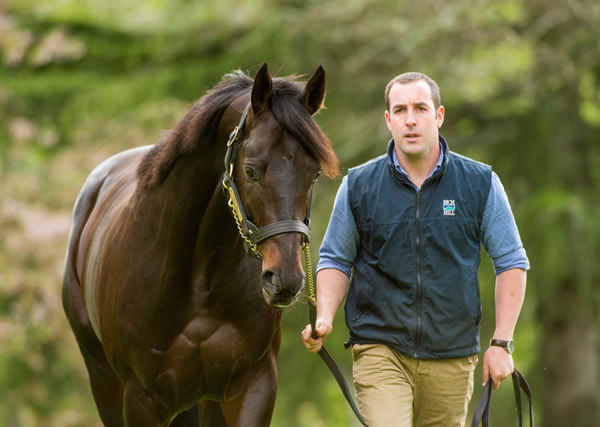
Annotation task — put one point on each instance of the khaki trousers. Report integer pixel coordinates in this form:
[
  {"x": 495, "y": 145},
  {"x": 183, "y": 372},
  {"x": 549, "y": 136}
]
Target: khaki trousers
[{"x": 395, "y": 390}]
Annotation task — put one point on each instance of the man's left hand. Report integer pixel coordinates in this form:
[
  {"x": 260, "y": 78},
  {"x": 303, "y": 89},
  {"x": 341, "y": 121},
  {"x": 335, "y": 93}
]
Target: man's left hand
[{"x": 498, "y": 364}]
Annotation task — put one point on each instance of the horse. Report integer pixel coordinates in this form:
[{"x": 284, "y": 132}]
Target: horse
[{"x": 176, "y": 323}]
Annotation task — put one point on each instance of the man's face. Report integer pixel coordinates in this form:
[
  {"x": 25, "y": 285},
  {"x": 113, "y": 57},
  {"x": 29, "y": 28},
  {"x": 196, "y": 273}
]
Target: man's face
[{"x": 413, "y": 120}]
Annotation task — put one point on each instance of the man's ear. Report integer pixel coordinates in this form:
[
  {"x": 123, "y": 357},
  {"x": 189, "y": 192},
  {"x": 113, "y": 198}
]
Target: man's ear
[
  {"x": 387, "y": 120},
  {"x": 440, "y": 116}
]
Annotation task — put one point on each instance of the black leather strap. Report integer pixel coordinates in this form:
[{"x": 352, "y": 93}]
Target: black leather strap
[
  {"x": 286, "y": 226},
  {"x": 251, "y": 234},
  {"x": 482, "y": 411},
  {"x": 333, "y": 367},
  {"x": 232, "y": 147},
  {"x": 522, "y": 385}
]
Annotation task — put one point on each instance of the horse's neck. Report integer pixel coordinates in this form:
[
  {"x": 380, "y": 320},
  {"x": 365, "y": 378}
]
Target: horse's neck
[
  {"x": 201, "y": 239},
  {"x": 190, "y": 201},
  {"x": 186, "y": 216},
  {"x": 190, "y": 185}
]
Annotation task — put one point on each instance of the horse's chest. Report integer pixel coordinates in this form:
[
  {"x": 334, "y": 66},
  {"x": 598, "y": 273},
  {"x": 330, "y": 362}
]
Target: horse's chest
[{"x": 208, "y": 361}]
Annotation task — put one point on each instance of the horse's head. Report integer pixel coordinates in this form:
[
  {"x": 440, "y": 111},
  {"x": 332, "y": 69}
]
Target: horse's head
[{"x": 281, "y": 153}]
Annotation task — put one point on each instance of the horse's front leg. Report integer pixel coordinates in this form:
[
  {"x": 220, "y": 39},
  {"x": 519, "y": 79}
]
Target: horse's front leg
[
  {"x": 140, "y": 408},
  {"x": 251, "y": 399}
]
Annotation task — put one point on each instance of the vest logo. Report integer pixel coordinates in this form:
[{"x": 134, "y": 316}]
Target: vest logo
[{"x": 449, "y": 207}]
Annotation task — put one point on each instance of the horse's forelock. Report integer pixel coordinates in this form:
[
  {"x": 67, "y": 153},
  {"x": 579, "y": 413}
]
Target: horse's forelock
[{"x": 291, "y": 113}]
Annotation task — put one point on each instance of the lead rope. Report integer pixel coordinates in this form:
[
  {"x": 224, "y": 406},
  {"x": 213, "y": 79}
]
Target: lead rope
[
  {"x": 312, "y": 296},
  {"x": 482, "y": 411},
  {"x": 238, "y": 222},
  {"x": 312, "y": 312}
]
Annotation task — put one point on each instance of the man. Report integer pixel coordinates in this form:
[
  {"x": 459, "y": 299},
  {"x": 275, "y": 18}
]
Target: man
[{"x": 407, "y": 227}]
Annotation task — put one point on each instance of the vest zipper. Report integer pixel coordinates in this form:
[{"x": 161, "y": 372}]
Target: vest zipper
[{"x": 419, "y": 293}]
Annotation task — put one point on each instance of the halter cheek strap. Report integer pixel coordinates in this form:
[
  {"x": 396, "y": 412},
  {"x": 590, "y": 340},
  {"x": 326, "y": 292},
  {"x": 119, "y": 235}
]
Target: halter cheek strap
[
  {"x": 252, "y": 236},
  {"x": 250, "y": 233}
]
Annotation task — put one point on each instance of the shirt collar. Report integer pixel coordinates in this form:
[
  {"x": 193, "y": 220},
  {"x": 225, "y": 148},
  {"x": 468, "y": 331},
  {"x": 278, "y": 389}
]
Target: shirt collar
[{"x": 437, "y": 166}]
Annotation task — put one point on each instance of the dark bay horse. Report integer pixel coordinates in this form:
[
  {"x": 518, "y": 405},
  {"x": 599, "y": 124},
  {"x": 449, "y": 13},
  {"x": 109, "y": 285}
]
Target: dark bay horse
[{"x": 176, "y": 323}]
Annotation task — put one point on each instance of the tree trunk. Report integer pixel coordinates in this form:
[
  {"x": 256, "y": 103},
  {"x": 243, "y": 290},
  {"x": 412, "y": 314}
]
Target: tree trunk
[{"x": 570, "y": 374}]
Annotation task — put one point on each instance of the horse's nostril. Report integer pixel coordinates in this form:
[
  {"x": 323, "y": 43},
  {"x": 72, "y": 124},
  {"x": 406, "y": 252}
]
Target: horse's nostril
[
  {"x": 281, "y": 291},
  {"x": 270, "y": 281}
]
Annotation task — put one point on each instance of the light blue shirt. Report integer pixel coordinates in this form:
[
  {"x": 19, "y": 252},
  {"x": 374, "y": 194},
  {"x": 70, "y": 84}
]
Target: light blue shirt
[{"x": 500, "y": 236}]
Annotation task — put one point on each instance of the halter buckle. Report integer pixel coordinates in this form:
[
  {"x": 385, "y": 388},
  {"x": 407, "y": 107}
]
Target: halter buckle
[{"x": 233, "y": 136}]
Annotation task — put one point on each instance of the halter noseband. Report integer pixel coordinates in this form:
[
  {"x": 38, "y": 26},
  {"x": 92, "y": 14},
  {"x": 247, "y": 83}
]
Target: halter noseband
[{"x": 250, "y": 233}]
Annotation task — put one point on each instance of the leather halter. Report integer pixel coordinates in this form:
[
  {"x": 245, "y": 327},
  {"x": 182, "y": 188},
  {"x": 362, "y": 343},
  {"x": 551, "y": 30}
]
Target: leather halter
[{"x": 250, "y": 233}]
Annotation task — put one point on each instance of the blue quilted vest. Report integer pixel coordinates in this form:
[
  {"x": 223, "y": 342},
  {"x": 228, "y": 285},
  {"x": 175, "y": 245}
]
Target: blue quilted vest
[{"x": 414, "y": 286}]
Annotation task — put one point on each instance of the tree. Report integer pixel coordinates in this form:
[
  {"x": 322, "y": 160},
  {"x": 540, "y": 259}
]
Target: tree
[{"x": 521, "y": 83}]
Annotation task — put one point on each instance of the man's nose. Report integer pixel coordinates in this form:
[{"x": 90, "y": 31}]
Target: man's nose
[{"x": 410, "y": 118}]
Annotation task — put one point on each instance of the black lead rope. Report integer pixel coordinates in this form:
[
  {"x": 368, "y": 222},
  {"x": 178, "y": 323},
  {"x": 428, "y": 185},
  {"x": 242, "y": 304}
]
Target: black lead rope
[
  {"x": 333, "y": 367},
  {"x": 482, "y": 411}
]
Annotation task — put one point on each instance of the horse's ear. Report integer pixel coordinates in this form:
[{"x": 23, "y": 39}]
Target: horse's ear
[
  {"x": 262, "y": 90},
  {"x": 314, "y": 92}
]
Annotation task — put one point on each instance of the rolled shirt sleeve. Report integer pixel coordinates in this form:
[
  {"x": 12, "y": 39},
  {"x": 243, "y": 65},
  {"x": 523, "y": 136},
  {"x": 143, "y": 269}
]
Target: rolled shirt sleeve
[
  {"x": 340, "y": 243},
  {"x": 500, "y": 235}
]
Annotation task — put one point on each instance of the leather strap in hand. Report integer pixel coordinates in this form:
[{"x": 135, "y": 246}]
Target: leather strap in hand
[{"x": 482, "y": 411}]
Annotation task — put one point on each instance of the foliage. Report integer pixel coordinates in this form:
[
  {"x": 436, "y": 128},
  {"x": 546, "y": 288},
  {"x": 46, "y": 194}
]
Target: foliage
[{"x": 81, "y": 80}]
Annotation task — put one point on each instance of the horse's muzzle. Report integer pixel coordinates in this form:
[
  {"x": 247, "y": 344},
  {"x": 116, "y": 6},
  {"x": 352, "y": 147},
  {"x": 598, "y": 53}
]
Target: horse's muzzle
[{"x": 280, "y": 293}]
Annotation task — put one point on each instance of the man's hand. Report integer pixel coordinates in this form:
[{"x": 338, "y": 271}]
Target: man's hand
[
  {"x": 323, "y": 330},
  {"x": 331, "y": 290},
  {"x": 498, "y": 364}
]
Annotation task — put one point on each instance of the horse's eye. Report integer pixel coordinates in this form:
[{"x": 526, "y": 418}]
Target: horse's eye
[
  {"x": 317, "y": 175},
  {"x": 251, "y": 173}
]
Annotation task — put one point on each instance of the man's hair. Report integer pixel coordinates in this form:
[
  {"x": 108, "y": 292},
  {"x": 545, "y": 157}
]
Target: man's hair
[{"x": 414, "y": 77}]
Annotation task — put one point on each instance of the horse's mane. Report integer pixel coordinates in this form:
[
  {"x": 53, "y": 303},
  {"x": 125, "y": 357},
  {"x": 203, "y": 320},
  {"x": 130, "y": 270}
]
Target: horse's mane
[{"x": 199, "y": 126}]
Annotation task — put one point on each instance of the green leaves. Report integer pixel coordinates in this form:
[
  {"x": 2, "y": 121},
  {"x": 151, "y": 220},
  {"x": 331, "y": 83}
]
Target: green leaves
[{"x": 81, "y": 80}]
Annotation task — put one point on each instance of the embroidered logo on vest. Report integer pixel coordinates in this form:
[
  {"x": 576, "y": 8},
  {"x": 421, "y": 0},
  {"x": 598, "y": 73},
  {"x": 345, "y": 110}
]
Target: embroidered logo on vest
[{"x": 449, "y": 207}]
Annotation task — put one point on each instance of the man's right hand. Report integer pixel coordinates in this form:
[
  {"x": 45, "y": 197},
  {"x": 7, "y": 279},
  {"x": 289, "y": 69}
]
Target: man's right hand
[{"x": 323, "y": 329}]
